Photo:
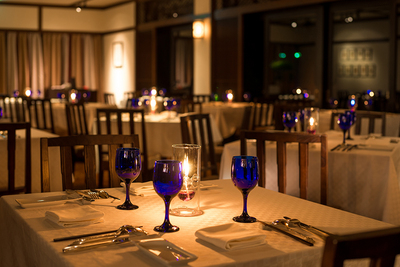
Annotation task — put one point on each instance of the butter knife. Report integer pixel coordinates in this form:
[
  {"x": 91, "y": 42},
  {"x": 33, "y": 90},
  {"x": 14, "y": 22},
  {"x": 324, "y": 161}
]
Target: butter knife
[
  {"x": 303, "y": 240},
  {"x": 119, "y": 240}
]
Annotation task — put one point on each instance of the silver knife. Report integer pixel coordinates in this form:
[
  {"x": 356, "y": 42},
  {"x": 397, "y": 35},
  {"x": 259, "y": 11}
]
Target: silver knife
[{"x": 308, "y": 241}]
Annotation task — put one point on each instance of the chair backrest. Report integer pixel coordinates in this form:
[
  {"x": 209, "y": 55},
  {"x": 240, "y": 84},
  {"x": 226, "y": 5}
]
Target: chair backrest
[
  {"x": 16, "y": 109},
  {"x": 11, "y": 155},
  {"x": 76, "y": 119},
  {"x": 281, "y": 139},
  {"x": 89, "y": 142},
  {"x": 4, "y": 100},
  {"x": 196, "y": 129},
  {"x": 41, "y": 113},
  {"x": 202, "y": 98},
  {"x": 381, "y": 246},
  {"x": 188, "y": 105},
  {"x": 109, "y": 98},
  {"x": 263, "y": 115},
  {"x": 371, "y": 116},
  {"x": 334, "y": 117},
  {"x": 115, "y": 115}
]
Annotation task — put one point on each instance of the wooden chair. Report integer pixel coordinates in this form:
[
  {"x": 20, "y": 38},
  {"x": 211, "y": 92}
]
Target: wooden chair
[
  {"x": 4, "y": 100},
  {"x": 188, "y": 105},
  {"x": 196, "y": 129},
  {"x": 245, "y": 126},
  {"x": 109, "y": 98},
  {"x": 281, "y": 139},
  {"x": 76, "y": 119},
  {"x": 41, "y": 111},
  {"x": 11, "y": 155},
  {"x": 201, "y": 98},
  {"x": 371, "y": 116},
  {"x": 17, "y": 107},
  {"x": 263, "y": 116},
  {"x": 115, "y": 116},
  {"x": 381, "y": 246},
  {"x": 334, "y": 117},
  {"x": 89, "y": 142}
]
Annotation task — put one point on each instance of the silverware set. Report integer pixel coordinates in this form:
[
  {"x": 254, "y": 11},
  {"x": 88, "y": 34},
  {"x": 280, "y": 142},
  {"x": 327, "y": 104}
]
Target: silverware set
[
  {"x": 343, "y": 147},
  {"x": 291, "y": 227}
]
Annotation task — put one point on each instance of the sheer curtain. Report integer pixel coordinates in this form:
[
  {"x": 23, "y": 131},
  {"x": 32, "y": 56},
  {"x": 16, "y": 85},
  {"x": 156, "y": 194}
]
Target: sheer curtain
[
  {"x": 49, "y": 60},
  {"x": 3, "y": 64}
]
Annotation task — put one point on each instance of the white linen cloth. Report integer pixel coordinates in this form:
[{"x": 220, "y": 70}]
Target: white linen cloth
[
  {"x": 141, "y": 189},
  {"x": 75, "y": 216},
  {"x": 231, "y": 236}
]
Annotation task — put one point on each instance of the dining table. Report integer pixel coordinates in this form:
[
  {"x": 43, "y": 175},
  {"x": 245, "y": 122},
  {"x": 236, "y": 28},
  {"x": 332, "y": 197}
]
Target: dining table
[
  {"x": 228, "y": 115},
  {"x": 163, "y": 129},
  {"x": 28, "y": 235},
  {"x": 55, "y": 169},
  {"x": 364, "y": 179}
]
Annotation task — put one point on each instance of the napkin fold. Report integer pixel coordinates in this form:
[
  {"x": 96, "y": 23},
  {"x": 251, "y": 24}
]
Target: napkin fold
[
  {"x": 141, "y": 189},
  {"x": 75, "y": 216},
  {"x": 231, "y": 236}
]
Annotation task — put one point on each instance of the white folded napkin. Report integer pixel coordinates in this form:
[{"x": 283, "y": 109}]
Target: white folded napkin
[
  {"x": 141, "y": 189},
  {"x": 231, "y": 236},
  {"x": 75, "y": 216}
]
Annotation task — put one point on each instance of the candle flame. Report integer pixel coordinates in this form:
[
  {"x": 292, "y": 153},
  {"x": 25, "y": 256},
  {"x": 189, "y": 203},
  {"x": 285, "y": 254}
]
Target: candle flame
[
  {"x": 186, "y": 167},
  {"x": 311, "y": 121}
]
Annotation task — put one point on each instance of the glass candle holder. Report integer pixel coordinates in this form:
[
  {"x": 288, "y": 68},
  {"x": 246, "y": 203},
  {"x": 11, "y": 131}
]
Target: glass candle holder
[
  {"x": 187, "y": 203},
  {"x": 311, "y": 120}
]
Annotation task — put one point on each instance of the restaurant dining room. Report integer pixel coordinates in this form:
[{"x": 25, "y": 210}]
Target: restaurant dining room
[{"x": 200, "y": 133}]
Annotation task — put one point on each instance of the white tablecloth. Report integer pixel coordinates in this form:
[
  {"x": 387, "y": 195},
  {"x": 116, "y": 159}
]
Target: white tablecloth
[
  {"x": 365, "y": 182},
  {"x": 228, "y": 116},
  {"x": 27, "y": 236},
  {"x": 161, "y": 132},
  {"x": 55, "y": 173}
]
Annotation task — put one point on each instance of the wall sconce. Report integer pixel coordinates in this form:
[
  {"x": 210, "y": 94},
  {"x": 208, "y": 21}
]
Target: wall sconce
[
  {"x": 118, "y": 54},
  {"x": 198, "y": 29}
]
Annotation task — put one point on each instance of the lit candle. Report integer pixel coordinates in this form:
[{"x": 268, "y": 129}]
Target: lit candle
[
  {"x": 153, "y": 104},
  {"x": 311, "y": 127},
  {"x": 186, "y": 169}
]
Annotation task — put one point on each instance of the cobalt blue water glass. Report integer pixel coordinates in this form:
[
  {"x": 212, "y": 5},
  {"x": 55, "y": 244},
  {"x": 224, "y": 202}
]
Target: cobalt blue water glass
[
  {"x": 127, "y": 166},
  {"x": 245, "y": 175},
  {"x": 289, "y": 119},
  {"x": 136, "y": 103},
  {"x": 345, "y": 122},
  {"x": 353, "y": 121},
  {"x": 167, "y": 182}
]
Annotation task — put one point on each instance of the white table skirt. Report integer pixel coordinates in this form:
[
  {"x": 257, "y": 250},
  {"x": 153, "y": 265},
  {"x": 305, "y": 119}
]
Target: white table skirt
[
  {"x": 365, "y": 182},
  {"x": 55, "y": 169},
  {"x": 29, "y": 235}
]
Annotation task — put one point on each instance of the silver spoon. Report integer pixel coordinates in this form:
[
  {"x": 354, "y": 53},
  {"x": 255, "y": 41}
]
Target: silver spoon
[
  {"x": 308, "y": 228},
  {"x": 125, "y": 229}
]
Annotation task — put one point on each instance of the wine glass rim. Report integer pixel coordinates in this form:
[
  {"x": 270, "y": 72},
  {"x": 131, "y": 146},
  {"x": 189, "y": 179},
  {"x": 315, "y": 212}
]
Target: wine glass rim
[
  {"x": 167, "y": 161},
  {"x": 244, "y": 157},
  {"x": 186, "y": 146}
]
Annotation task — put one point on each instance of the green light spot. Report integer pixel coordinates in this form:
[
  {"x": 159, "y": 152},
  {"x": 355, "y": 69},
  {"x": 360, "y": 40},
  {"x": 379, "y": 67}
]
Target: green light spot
[
  {"x": 282, "y": 55},
  {"x": 297, "y": 54}
]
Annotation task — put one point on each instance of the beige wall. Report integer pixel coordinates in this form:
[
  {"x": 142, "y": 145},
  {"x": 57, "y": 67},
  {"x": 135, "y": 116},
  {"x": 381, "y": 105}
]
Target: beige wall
[{"x": 19, "y": 17}]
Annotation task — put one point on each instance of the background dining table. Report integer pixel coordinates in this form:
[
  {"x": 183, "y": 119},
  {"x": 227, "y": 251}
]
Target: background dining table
[
  {"x": 28, "y": 236},
  {"x": 54, "y": 153},
  {"x": 162, "y": 131},
  {"x": 364, "y": 180}
]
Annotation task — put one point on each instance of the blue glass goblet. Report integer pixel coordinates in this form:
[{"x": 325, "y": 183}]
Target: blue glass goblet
[
  {"x": 245, "y": 175},
  {"x": 344, "y": 121},
  {"x": 353, "y": 121},
  {"x": 167, "y": 182},
  {"x": 127, "y": 166},
  {"x": 136, "y": 103},
  {"x": 289, "y": 119}
]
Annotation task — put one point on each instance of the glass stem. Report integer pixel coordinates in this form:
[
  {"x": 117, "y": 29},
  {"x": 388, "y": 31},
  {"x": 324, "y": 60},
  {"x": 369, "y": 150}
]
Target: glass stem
[
  {"x": 127, "y": 187},
  {"x": 244, "y": 213},
  {"x": 167, "y": 204},
  {"x": 344, "y": 136}
]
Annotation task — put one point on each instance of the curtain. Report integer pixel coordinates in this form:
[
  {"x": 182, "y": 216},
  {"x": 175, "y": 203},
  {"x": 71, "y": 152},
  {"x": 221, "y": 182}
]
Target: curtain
[
  {"x": 3, "y": 61},
  {"x": 23, "y": 63},
  {"x": 76, "y": 60},
  {"x": 36, "y": 65},
  {"x": 98, "y": 63},
  {"x": 12, "y": 64},
  {"x": 183, "y": 63},
  {"x": 88, "y": 63},
  {"x": 65, "y": 59}
]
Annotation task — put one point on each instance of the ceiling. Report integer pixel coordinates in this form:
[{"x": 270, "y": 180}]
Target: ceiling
[{"x": 89, "y": 3}]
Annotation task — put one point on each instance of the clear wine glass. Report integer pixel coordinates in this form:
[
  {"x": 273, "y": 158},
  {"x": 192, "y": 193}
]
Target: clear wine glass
[
  {"x": 344, "y": 121},
  {"x": 289, "y": 119},
  {"x": 127, "y": 166},
  {"x": 167, "y": 182},
  {"x": 353, "y": 121},
  {"x": 245, "y": 175}
]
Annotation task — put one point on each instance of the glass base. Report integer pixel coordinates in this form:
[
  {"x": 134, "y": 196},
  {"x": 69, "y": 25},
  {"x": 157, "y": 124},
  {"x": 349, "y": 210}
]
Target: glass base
[
  {"x": 243, "y": 219},
  {"x": 185, "y": 212},
  {"x": 127, "y": 207},
  {"x": 164, "y": 229}
]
